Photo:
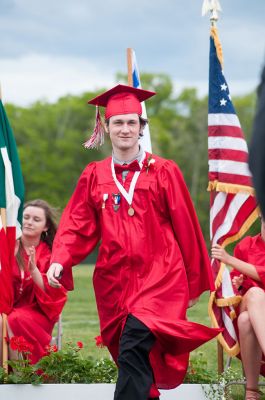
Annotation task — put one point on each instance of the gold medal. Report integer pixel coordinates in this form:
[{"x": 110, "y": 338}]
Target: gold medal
[{"x": 131, "y": 211}]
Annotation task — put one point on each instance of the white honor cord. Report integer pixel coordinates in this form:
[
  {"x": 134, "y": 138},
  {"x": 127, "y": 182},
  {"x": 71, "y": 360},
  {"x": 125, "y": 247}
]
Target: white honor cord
[{"x": 127, "y": 195}]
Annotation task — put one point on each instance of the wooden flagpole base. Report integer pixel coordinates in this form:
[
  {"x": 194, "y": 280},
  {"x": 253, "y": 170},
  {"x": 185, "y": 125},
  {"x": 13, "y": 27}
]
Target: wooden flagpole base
[
  {"x": 4, "y": 343},
  {"x": 220, "y": 358}
]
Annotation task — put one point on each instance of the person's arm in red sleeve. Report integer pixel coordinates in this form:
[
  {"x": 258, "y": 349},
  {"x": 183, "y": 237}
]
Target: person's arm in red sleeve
[
  {"x": 241, "y": 252},
  {"x": 235, "y": 262},
  {"x": 79, "y": 229}
]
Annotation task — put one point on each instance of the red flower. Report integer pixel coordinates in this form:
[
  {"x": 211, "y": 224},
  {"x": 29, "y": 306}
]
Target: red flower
[
  {"x": 39, "y": 372},
  {"x": 80, "y": 345},
  {"x": 149, "y": 163},
  {"x": 20, "y": 344},
  {"x": 99, "y": 341},
  {"x": 51, "y": 348}
]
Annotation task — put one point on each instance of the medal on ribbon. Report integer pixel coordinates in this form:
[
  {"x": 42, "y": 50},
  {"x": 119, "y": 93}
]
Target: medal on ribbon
[
  {"x": 116, "y": 197},
  {"x": 128, "y": 196}
]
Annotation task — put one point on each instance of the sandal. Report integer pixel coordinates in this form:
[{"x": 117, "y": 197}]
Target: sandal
[{"x": 252, "y": 394}]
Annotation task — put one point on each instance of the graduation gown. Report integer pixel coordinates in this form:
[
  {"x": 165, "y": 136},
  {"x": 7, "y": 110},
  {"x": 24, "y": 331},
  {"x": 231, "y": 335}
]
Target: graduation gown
[
  {"x": 35, "y": 311},
  {"x": 251, "y": 250},
  {"x": 149, "y": 264}
]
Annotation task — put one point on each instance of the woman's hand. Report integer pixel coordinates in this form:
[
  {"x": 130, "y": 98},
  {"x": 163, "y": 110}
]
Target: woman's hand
[
  {"x": 237, "y": 281},
  {"x": 32, "y": 259},
  {"x": 220, "y": 254}
]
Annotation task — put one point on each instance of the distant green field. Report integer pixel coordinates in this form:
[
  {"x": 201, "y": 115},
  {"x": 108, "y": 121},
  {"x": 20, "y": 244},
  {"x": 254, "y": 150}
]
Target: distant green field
[{"x": 80, "y": 320}]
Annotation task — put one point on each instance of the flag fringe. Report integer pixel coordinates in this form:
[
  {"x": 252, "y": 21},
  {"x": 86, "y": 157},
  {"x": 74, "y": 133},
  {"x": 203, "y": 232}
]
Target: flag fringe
[
  {"x": 218, "y": 46},
  {"x": 244, "y": 228},
  {"x": 233, "y": 315},
  {"x": 229, "y": 301},
  {"x": 231, "y": 351},
  {"x": 230, "y": 188}
]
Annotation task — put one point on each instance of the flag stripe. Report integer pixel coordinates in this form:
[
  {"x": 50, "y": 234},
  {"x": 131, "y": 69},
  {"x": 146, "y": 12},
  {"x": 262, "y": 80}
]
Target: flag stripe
[
  {"x": 238, "y": 200},
  {"x": 218, "y": 211},
  {"x": 227, "y": 154},
  {"x": 225, "y": 142},
  {"x": 229, "y": 325},
  {"x": 226, "y": 166},
  {"x": 231, "y": 178},
  {"x": 223, "y": 119},
  {"x": 226, "y": 130}
]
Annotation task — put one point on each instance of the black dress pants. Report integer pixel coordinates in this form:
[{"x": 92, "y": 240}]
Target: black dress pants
[{"x": 135, "y": 375}]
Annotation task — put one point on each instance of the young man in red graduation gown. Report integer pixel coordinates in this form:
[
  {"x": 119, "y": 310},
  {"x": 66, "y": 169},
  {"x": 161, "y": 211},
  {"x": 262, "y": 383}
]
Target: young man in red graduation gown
[{"x": 152, "y": 262}]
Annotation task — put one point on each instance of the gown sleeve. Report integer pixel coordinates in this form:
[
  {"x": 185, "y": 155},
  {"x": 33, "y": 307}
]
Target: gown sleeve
[
  {"x": 51, "y": 301},
  {"x": 261, "y": 272},
  {"x": 187, "y": 230},
  {"x": 241, "y": 252},
  {"x": 79, "y": 230}
]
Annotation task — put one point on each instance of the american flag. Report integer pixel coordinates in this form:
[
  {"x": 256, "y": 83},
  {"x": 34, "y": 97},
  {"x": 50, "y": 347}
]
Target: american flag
[
  {"x": 135, "y": 79},
  {"x": 232, "y": 205}
]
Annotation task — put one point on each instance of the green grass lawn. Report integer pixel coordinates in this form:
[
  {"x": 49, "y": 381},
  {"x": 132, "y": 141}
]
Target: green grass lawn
[{"x": 80, "y": 320}]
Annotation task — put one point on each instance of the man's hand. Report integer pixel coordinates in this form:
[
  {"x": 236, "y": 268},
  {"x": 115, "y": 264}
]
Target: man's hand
[
  {"x": 53, "y": 274},
  {"x": 32, "y": 259}
]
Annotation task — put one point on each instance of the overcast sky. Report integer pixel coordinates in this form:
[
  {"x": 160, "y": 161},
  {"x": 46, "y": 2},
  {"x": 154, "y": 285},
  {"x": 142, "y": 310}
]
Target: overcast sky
[{"x": 53, "y": 47}]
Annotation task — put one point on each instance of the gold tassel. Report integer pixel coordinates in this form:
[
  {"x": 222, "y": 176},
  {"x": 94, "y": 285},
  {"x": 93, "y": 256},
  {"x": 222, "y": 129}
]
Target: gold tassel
[{"x": 219, "y": 51}]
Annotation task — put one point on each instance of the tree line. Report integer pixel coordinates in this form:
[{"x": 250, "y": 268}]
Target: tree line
[{"x": 49, "y": 137}]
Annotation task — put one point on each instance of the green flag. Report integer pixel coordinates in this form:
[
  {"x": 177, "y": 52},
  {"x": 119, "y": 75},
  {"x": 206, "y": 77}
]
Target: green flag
[{"x": 11, "y": 180}]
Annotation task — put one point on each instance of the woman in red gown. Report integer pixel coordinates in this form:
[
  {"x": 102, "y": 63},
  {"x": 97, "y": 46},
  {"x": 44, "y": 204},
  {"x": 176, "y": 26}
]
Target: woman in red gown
[
  {"x": 248, "y": 277},
  {"x": 37, "y": 306}
]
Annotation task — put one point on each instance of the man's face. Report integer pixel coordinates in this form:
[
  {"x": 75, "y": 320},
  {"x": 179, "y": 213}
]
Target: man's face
[{"x": 124, "y": 131}]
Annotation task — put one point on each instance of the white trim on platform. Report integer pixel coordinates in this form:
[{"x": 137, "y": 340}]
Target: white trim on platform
[{"x": 92, "y": 391}]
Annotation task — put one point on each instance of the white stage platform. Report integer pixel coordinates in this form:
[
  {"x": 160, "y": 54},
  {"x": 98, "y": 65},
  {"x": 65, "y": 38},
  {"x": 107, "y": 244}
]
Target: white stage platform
[{"x": 91, "y": 391}]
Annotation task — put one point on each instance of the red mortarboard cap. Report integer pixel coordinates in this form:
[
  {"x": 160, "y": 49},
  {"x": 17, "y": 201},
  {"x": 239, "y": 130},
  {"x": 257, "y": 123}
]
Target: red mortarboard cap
[{"x": 122, "y": 99}]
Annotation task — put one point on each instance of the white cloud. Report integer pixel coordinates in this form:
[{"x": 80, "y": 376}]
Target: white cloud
[
  {"x": 37, "y": 77},
  {"x": 30, "y": 78},
  {"x": 50, "y": 48}
]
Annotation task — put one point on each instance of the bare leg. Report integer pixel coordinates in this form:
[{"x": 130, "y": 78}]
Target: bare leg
[
  {"x": 250, "y": 350},
  {"x": 252, "y": 338},
  {"x": 255, "y": 302},
  {"x": 13, "y": 355}
]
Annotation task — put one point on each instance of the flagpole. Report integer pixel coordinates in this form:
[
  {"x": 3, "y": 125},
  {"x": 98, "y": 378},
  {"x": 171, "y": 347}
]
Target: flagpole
[
  {"x": 4, "y": 316},
  {"x": 213, "y": 7},
  {"x": 129, "y": 65}
]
